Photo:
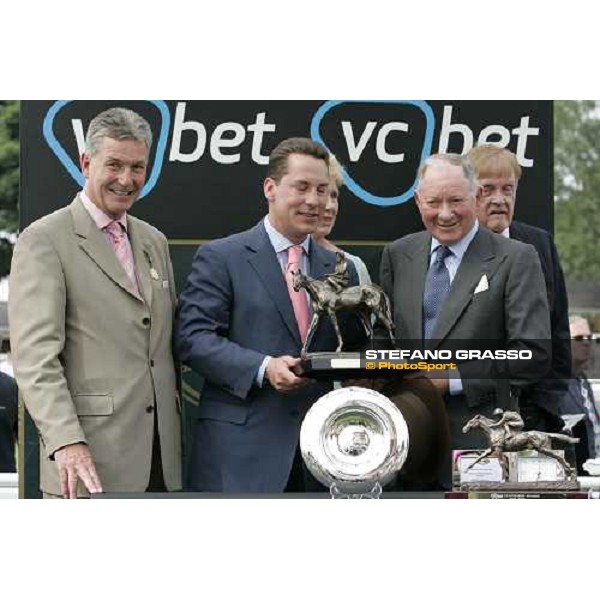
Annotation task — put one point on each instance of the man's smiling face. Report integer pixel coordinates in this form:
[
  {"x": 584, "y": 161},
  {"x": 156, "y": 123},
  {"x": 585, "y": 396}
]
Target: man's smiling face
[
  {"x": 115, "y": 174},
  {"x": 297, "y": 200}
]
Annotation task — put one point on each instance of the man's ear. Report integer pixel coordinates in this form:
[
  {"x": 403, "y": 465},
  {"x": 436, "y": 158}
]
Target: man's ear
[
  {"x": 269, "y": 186},
  {"x": 417, "y": 199},
  {"x": 84, "y": 162},
  {"x": 478, "y": 196}
]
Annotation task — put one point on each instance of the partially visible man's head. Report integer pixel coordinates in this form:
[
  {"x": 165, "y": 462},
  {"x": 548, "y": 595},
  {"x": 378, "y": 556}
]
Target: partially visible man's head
[
  {"x": 581, "y": 347},
  {"x": 297, "y": 186},
  {"x": 115, "y": 160},
  {"x": 446, "y": 197},
  {"x": 498, "y": 172},
  {"x": 329, "y": 213}
]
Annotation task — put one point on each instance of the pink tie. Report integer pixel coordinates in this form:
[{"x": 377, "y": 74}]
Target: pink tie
[
  {"x": 299, "y": 300},
  {"x": 120, "y": 243}
]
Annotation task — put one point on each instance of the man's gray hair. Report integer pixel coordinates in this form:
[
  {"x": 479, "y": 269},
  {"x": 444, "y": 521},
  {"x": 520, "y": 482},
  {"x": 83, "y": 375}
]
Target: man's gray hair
[
  {"x": 456, "y": 160},
  {"x": 118, "y": 124}
]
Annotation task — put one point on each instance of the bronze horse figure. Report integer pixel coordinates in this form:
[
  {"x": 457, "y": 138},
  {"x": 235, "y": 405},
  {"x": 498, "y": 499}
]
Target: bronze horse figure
[
  {"x": 501, "y": 441},
  {"x": 365, "y": 300}
]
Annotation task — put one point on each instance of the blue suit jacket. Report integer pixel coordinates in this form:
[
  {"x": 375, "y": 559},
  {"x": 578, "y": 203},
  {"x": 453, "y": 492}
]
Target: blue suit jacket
[{"x": 234, "y": 310}]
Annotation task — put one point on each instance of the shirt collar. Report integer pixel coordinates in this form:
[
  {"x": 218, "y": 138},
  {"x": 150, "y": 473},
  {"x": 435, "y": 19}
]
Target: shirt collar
[
  {"x": 99, "y": 217},
  {"x": 458, "y": 248},
  {"x": 279, "y": 242},
  {"x": 505, "y": 233}
]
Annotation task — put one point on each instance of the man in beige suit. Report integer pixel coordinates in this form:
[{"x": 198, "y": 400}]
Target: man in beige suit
[{"x": 91, "y": 309}]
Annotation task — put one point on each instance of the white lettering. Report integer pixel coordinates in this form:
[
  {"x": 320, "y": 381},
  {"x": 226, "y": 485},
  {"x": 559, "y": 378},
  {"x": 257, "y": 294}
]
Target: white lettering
[
  {"x": 259, "y": 128},
  {"x": 492, "y": 130},
  {"x": 522, "y": 132},
  {"x": 217, "y": 141},
  {"x": 382, "y": 153},
  {"x": 449, "y": 128},
  {"x": 79, "y": 135},
  {"x": 179, "y": 126},
  {"x": 356, "y": 149}
]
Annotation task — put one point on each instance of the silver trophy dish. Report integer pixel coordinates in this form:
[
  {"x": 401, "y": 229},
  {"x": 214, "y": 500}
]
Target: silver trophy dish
[{"x": 354, "y": 440}]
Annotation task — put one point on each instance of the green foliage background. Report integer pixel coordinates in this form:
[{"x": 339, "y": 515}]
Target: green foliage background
[
  {"x": 577, "y": 188},
  {"x": 9, "y": 179}
]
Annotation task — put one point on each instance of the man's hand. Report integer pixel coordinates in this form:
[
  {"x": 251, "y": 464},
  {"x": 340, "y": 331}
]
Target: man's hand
[
  {"x": 75, "y": 462},
  {"x": 281, "y": 375}
]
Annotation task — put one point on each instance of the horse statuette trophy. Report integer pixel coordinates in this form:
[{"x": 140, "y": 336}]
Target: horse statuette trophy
[
  {"x": 516, "y": 460},
  {"x": 354, "y": 440}
]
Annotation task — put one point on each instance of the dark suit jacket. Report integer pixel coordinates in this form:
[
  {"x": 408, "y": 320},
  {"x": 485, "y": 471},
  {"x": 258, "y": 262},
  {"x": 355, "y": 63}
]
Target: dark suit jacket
[
  {"x": 540, "y": 401},
  {"x": 572, "y": 404},
  {"x": 511, "y": 313},
  {"x": 8, "y": 423},
  {"x": 234, "y": 310}
]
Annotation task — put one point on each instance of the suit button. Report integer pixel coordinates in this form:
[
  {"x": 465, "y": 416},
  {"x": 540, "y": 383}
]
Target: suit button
[
  {"x": 151, "y": 362},
  {"x": 149, "y": 409},
  {"x": 146, "y": 321}
]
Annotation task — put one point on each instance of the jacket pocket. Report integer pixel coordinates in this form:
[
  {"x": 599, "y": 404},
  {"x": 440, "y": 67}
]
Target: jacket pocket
[{"x": 96, "y": 405}]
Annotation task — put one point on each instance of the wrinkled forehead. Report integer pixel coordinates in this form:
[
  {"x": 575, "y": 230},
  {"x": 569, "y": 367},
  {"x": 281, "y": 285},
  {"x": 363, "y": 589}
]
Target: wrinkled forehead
[
  {"x": 444, "y": 178},
  {"x": 121, "y": 148},
  {"x": 498, "y": 180}
]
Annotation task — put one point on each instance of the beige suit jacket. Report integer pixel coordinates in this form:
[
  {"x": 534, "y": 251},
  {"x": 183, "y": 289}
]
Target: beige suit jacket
[{"x": 91, "y": 355}]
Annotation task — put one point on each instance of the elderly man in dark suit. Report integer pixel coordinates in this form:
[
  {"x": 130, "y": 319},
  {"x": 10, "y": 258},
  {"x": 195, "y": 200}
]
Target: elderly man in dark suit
[
  {"x": 241, "y": 326},
  {"x": 498, "y": 173},
  {"x": 457, "y": 284}
]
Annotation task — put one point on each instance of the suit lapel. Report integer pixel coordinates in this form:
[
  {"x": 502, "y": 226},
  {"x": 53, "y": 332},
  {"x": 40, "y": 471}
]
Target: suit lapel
[
  {"x": 262, "y": 258},
  {"x": 413, "y": 288},
  {"x": 320, "y": 261},
  {"x": 93, "y": 242},
  {"x": 143, "y": 260},
  {"x": 477, "y": 261}
]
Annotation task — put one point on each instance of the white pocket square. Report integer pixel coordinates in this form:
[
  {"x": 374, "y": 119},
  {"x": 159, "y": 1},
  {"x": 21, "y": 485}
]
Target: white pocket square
[{"x": 482, "y": 286}]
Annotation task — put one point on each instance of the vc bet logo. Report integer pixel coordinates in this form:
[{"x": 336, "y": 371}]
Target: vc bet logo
[
  {"x": 354, "y": 136},
  {"x": 373, "y": 133}
]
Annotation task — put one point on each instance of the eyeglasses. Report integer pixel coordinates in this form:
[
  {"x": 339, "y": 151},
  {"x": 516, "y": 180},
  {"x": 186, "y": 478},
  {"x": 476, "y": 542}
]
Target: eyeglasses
[{"x": 581, "y": 338}]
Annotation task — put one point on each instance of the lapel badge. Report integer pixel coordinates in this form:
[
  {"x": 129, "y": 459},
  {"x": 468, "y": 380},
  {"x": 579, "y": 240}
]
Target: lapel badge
[{"x": 153, "y": 273}]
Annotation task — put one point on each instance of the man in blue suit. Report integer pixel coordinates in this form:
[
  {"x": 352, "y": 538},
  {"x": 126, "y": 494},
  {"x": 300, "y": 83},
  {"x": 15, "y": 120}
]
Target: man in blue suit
[{"x": 240, "y": 328}]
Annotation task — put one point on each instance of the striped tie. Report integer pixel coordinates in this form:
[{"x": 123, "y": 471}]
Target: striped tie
[
  {"x": 299, "y": 300},
  {"x": 120, "y": 243},
  {"x": 437, "y": 286}
]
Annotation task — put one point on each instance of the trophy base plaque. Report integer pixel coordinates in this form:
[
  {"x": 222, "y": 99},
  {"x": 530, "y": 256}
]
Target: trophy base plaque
[
  {"x": 518, "y": 472},
  {"x": 335, "y": 366}
]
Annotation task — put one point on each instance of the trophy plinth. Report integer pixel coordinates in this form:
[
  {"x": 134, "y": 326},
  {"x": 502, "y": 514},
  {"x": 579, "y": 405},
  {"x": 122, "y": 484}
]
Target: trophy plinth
[
  {"x": 336, "y": 366},
  {"x": 517, "y": 461}
]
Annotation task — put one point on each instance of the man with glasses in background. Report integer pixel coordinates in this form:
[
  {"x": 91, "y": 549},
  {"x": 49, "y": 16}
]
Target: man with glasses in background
[{"x": 579, "y": 398}]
